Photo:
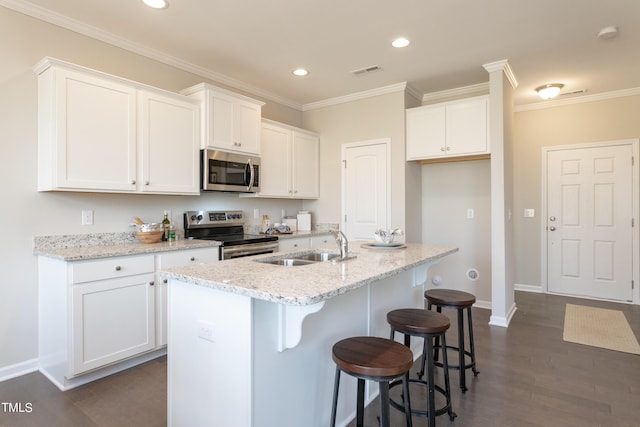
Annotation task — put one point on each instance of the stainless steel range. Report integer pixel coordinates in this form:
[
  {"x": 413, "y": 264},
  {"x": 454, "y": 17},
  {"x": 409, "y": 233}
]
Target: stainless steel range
[{"x": 228, "y": 228}]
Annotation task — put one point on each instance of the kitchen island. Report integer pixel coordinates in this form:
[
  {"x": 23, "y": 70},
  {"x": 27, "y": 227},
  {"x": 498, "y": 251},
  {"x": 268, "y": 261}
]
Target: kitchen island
[{"x": 250, "y": 342}]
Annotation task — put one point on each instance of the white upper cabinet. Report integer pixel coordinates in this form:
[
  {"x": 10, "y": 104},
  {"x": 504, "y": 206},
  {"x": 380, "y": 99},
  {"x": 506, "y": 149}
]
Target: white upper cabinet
[
  {"x": 289, "y": 163},
  {"x": 101, "y": 133},
  {"x": 450, "y": 129},
  {"x": 230, "y": 122},
  {"x": 169, "y": 135}
]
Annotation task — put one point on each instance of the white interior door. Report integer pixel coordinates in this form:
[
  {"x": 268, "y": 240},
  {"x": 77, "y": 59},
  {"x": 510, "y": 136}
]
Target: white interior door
[
  {"x": 365, "y": 181},
  {"x": 589, "y": 221}
]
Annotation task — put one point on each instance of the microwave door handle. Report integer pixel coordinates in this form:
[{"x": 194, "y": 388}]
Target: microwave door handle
[{"x": 251, "y": 175}]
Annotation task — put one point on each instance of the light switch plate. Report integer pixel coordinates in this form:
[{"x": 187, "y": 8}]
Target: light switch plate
[{"x": 529, "y": 213}]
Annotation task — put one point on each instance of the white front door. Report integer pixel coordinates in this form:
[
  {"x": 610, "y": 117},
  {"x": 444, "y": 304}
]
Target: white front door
[
  {"x": 365, "y": 181},
  {"x": 589, "y": 221}
]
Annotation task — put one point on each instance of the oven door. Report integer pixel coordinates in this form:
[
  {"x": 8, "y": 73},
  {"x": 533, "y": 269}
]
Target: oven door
[
  {"x": 223, "y": 171},
  {"x": 238, "y": 251}
]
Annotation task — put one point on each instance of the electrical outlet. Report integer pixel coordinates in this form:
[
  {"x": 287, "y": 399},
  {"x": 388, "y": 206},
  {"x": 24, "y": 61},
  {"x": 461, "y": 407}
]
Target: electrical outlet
[
  {"x": 470, "y": 213},
  {"x": 256, "y": 213},
  {"x": 87, "y": 217},
  {"x": 206, "y": 331}
]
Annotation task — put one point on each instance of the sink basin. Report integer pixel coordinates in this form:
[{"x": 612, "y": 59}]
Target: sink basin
[
  {"x": 305, "y": 258},
  {"x": 287, "y": 262},
  {"x": 317, "y": 256}
]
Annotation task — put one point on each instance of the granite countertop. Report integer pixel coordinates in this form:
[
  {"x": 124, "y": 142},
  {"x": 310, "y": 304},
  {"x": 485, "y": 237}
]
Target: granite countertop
[
  {"x": 307, "y": 284},
  {"x": 105, "y": 245}
]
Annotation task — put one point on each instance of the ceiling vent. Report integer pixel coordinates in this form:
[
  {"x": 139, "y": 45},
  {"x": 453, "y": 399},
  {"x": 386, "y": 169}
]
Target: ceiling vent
[
  {"x": 574, "y": 92},
  {"x": 366, "y": 70}
]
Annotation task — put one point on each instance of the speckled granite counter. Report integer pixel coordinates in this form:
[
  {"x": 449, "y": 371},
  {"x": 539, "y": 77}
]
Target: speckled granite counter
[
  {"x": 104, "y": 245},
  {"x": 308, "y": 284}
]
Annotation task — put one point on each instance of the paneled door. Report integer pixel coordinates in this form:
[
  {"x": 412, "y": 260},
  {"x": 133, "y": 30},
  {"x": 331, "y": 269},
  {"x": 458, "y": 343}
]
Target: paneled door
[
  {"x": 366, "y": 195},
  {"x": 589, "y": 221}
]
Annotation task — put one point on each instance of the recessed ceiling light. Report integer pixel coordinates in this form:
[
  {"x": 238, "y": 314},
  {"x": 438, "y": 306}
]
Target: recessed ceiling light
[
  {"x": 300, "y": 72},
  {"x": 156, "y": 4},
  {"x": 400, "y": 42}
]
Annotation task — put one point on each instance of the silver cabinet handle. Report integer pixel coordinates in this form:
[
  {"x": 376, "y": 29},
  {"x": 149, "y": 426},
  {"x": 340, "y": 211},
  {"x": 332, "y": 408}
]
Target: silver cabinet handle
[
  {"x": 192, "y": 258},
  {"x": 165, "y": 281},
  {"x": 441, "y": 148},
  {"x": 152, "y": 283},
  {"x": 118, "y": 268},
  {"x": 133, "y": 182},
  {"x": 146, "y": 183}
]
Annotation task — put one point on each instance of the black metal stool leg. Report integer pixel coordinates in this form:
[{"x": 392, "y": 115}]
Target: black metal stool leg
[
  {"x": 407, "y": 400},
  {"x": 461, "y": 362},
  {"x": 437, "y": 344},
  {"x": 471, "y": 345},
  {"x": 360, "y": 404},
  {"x": 447, "y": 383},
  {"x": 385, "y": 419},
  {"x": 431, "y": 398},
  {"x": 334, "y": 408}
]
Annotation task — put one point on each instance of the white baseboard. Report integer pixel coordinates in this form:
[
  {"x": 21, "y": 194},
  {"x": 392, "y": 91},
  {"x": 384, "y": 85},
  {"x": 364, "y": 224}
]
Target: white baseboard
[
  {"x": 19, "y": 369},
  {"x": 504, "y": 321},
  {"x": 528, "y": 288}
]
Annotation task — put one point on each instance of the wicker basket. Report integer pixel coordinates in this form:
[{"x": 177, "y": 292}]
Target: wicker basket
[{"x": 147, "y": 237}]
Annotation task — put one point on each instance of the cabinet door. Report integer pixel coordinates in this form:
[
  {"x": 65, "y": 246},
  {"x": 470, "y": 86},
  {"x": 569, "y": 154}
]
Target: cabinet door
[
  {"x": 466, "y": 127},
  {"x": 324, "y": 241},
  {"x": 275, "y": 173},
  {"x": 247, "y": 127},
  {"x": 293, "y": 243},
  {"x": 426, "y": 132},
  {"x": 221, "y": 121},
  {"x": 95, "y": 133},
  {"x": 169, "y": 260},
  {"x": 169, "y": 130},
  {"x": 111, "y": 320},
  {"x": 306, "y": 166}
]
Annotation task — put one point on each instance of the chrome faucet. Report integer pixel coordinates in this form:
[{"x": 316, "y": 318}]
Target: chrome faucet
[{"x": 342, "y": 241}]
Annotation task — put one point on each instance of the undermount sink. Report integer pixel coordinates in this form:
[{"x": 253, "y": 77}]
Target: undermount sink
[
  {"x": 317, "y": 256},
  {"x": 287, "y": 262},
  {"x": 293, "y": 260}
]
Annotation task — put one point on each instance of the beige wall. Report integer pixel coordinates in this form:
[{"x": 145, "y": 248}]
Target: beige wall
[
  {"x": 26, "y": 213},
  {"x": 596, "y": 121},
  {"x": 367, "y": 119}
]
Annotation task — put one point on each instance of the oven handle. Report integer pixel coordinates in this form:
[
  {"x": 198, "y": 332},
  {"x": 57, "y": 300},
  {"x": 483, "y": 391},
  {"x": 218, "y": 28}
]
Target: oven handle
[
  {"x": 246, "y": 250},
  {"x": 251, "y": 175}
]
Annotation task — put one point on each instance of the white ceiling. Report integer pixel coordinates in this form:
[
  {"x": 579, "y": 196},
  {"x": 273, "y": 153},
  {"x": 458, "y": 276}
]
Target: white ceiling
[{"x": 254, "y": 44}]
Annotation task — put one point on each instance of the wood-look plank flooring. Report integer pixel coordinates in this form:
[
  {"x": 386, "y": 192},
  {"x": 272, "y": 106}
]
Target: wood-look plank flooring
[{"x": 528, "y": 377}]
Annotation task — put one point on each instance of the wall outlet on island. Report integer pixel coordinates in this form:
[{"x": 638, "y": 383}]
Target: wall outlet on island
[
  {"x": 206, "y": 331},
  {"x": 87, "y": 217}
]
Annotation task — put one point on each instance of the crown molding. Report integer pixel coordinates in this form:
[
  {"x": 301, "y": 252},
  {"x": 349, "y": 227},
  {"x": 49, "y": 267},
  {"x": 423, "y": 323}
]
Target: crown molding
[
  {"x": 59, "y": 20},
  {"x": 399, "y": 87},
  {"x": 503, "y": 65},
  {"x": 578, "y": 100},
  {"x": 459, "y": 92}
]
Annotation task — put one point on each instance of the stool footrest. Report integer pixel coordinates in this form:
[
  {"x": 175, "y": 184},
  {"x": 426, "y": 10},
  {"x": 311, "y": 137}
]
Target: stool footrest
[{"x": 439, "y": 411}]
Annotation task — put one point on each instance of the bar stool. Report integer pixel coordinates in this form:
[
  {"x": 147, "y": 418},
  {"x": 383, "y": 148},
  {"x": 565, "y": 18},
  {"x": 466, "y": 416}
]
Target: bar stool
[
  {"x": 374, "y": 359},
  {"x": 429, "y": 326},
  {"x": 459, "y": 301}
]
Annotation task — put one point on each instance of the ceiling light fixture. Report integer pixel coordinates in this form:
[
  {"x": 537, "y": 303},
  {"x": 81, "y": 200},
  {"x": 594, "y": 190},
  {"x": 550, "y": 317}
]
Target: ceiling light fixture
[
  {"x": 301, "y": 72},
  {"x": 157, "y": 4},
  {"x": 608, "y": 32},
  {"x": 400, "y": 42},
  {"x": 550, "y": 90}
]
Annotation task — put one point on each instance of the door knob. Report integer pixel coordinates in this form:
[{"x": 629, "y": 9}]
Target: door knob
[{"x": 552, "y": 228}]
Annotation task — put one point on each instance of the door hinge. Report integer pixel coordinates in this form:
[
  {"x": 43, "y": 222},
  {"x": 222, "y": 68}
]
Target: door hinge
[
  {"x": 345, "y": 218},
  {"x": 633, "y": 222},
  {"x": 344, "y": 164},
  {"x": 633, "y": 285}
]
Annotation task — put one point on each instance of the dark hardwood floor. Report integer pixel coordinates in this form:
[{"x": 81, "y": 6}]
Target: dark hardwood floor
[{"x": 528, "y": 377}]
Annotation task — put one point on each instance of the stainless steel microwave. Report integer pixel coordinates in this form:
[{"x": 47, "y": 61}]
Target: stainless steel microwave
[{"x": 222, "y": 171}]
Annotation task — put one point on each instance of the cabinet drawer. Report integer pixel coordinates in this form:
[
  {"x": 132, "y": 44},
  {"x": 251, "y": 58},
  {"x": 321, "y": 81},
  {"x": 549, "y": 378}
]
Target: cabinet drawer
[
  {"x": 323, "y": 241},
  {"x": 182, "y": 258},
  {"x": 110, "y": 268}
]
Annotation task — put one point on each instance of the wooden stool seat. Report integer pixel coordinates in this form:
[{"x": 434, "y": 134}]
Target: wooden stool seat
[
  {"x": 459, "y": 301},
  {"x": 375, "y": 359},
  {"x": 429, "y": 326}
]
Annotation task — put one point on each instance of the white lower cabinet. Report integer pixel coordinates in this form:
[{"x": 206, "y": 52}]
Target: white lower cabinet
[
  {"x": 293, "y": 243},
  {"x": 323, "y": 241},
  {"x": 111, "y": 320},
  {"x": 99, "y": 316}
]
